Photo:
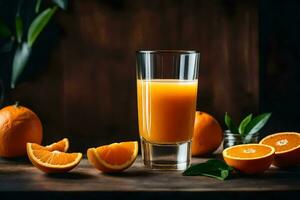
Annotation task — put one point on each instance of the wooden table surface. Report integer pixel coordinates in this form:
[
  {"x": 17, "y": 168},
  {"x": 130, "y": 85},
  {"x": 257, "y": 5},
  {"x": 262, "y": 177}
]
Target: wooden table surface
[{"x": 20, "y": 178}]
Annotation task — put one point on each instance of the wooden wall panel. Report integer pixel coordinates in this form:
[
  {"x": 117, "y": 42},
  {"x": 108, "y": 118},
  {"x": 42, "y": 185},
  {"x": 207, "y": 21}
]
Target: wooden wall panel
[{"x": 88, "y": 91}]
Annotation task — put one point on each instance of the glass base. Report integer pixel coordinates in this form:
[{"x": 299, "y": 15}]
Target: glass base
[{"x": 166, "y": 156}]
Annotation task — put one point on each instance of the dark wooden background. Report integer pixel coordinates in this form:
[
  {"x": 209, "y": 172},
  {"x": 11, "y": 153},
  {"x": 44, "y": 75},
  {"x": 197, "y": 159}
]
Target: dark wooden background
[
  {"x": 87, "y": 92},
  {"x": 279, "y": 30}
]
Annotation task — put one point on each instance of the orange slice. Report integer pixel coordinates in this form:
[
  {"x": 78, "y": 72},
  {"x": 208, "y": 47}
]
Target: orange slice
[
  {"x": 62, "y": 145},
  {"x": 115, "y": 157},
  {"x": 52, "y": 161},
  {"x": 287, "y": 148},
  {"x": 249, "y": 158}
]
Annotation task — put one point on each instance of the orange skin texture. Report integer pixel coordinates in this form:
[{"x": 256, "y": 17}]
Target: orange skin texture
[
  {"x": 288, "y": 159},
  {"x": 207, "y": 135},
  {"x": 255, "y": 166},
  {"x": 18, "y": 125}
]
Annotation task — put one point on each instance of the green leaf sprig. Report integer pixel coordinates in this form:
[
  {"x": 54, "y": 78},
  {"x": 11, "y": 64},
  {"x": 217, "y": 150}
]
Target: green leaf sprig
[
  {"x": 248, "y": 126},
  {"x": 39, "y": 24},
  {"x": 212, "y": 168},
  {"x": 23, "y": 48}
]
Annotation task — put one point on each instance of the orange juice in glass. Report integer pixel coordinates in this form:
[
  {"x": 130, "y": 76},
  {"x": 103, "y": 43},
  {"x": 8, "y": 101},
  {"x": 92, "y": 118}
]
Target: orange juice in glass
[{"x": 166, "y": 93}]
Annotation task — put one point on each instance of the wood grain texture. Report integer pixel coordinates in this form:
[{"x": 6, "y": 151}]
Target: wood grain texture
[
  {"x": 17, "y": 177},
  {"x": 88, "y": 91}
]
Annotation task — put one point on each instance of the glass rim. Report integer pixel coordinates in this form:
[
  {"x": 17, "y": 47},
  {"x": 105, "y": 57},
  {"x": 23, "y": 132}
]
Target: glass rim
[{"x": 168, "y": 51}]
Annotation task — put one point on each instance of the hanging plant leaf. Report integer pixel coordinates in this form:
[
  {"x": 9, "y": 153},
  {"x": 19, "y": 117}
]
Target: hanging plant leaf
[
  {"x": 39, "y": 24},
  {"x": 19, "y": 28},
  {"x": 19, "y": 62},
  {"x": 63, "y": 4},
  {"x": 37, "y": 6}
]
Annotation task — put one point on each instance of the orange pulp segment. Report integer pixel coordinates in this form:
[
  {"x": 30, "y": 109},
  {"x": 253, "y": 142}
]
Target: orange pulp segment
[
  {"x": 287, "y": 148},
  {"x": 52, "y": 161},
  {"x": 62, "y": 145},
  {"x": 115, "y": 157},
  {"x": 249, "y": 158},
  {"x": 252, "y": 151},
  {"x": 282, "y": 142}
]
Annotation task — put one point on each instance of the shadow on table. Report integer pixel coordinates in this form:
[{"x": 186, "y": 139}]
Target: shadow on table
[
  {"x": 216, "y": 155},
  {"x": 143, "y": 173},
  {"x": 22, "y": 160},
  {"x": 71, "y": 175},
  {"x": 291, "y": 169},
  {"x": 273, "y": 173}
]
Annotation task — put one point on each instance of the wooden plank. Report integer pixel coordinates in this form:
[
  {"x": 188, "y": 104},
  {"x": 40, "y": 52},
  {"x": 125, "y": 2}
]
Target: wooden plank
[{"x": 22, "y": 176}]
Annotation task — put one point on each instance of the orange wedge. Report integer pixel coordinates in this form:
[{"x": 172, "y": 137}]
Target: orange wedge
[
  {"x": 115, "y": 157},
  {"x": 249, "y": 158},
  {"x": 62, "y": 145},
  {"x": 52, "y": 161},
  {"x": 287, "y": 148}
]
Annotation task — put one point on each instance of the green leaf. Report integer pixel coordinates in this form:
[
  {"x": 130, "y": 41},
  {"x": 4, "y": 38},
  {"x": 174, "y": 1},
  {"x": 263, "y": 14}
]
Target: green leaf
[
  {"x": 230, "y": 125},
  {"x": 63, "y": 4},
  {"x": 37, "y": 6},
  {"x": 244, "y": 123},
  {"x": 248, "y": 139},
  {"x": 39, "y": 24},
  {"x": 4, "y": 30},
  {"x": 19, "y": 62},
  {"x": 257, "y": 123},
  {"x": 218, "y": 174},
  {"x": 19, "y": 28},
  {"x": 212, "y": 168}
]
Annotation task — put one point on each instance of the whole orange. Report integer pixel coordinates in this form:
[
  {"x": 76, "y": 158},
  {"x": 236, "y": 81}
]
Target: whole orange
[
  {"x": 18, "y": 125},
  {"x": 207, "y": 134}
]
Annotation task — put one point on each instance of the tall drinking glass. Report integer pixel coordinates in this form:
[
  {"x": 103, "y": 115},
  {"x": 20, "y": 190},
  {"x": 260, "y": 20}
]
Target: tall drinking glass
[{"x": 167, "y": 82}]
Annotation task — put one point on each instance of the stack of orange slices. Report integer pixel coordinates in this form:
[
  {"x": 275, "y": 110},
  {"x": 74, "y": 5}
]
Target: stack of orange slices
[{"x": 53, "y": 158}]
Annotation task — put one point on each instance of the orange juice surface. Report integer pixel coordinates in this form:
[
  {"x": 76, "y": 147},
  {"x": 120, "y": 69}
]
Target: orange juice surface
[{"x": 166, "y": 110}]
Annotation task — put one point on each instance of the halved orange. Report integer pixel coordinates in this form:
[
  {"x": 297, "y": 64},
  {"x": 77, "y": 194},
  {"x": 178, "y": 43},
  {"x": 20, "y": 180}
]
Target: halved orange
[
  {"x": 249, "y": 158},
  {"x": 52, "y": 161},
  {"x": 115, "y": 157},
  {"x": 287, "y": 148}
]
